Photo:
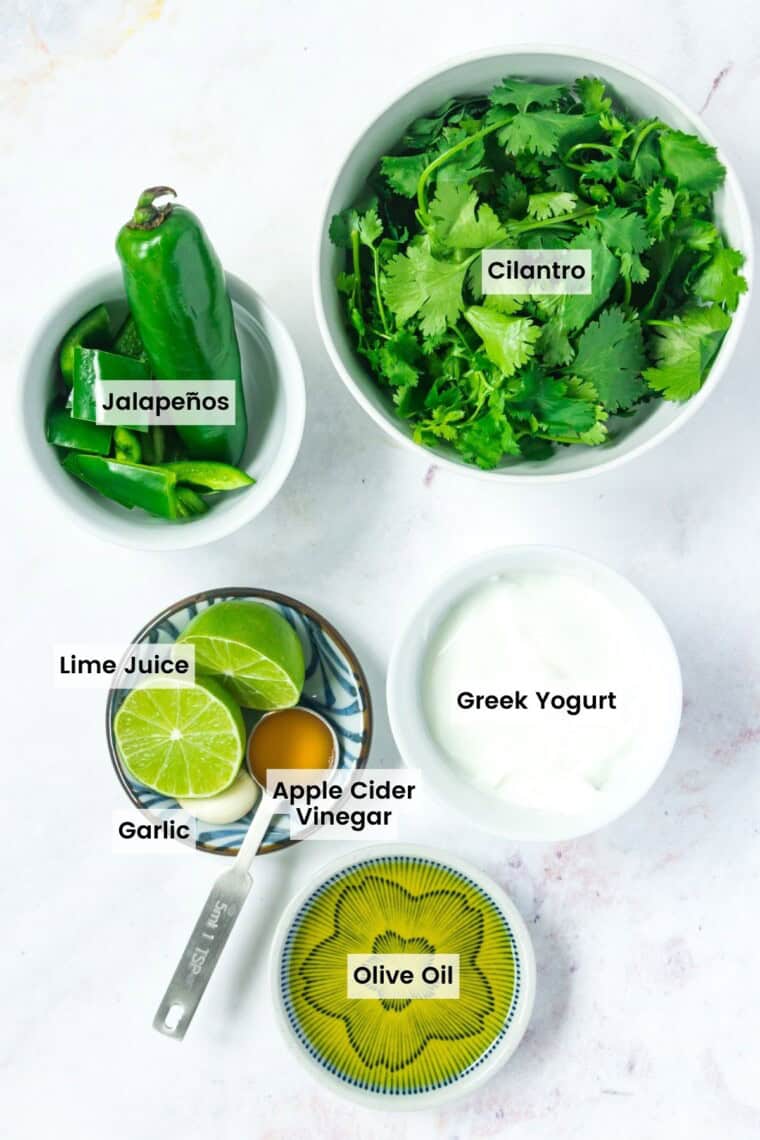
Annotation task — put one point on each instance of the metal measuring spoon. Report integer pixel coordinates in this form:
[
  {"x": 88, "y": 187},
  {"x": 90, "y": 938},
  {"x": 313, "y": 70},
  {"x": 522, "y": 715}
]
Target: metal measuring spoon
[{"x": 218, "y": 916}]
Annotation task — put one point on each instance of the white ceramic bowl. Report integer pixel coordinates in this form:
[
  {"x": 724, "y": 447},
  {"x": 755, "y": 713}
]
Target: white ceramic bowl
[
  {"x": 275, "y": 402},
  {"x": 649, "y": 753},
  {"x": 512, "y": 1032},
  {"x": 474, "y": 75}
]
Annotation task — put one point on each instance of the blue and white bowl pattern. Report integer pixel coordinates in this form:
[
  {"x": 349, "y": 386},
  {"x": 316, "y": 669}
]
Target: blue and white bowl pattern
[{"x": 334, "y": 686}]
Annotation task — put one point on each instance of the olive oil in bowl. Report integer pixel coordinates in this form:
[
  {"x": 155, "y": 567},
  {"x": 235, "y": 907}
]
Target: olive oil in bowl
[{"x": 403, "y": 901}]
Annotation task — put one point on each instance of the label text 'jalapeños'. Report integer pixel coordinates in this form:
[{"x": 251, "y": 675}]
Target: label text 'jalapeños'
[{"x": 144, "y": 402}]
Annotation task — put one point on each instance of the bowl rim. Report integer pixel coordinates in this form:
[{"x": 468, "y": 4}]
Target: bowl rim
[
  {"x": 426, "y": 617},
  {"x": 525, "y": 954},
  {"x": 252, "y": 593},
  {"x": 133, "y": 533},
  {"x": 727, "y": 348}
]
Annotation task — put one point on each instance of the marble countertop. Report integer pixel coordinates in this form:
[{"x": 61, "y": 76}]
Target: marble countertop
[{"x": 646, "y": 933}]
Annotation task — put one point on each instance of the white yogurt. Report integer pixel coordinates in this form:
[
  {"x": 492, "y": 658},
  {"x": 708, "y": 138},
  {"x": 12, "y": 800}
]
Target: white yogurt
[{"x": 533, "y": 636}]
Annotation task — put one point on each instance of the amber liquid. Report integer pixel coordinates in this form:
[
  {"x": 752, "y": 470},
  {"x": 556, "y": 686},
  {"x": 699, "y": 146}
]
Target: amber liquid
[{"x": 290, "y": 738}]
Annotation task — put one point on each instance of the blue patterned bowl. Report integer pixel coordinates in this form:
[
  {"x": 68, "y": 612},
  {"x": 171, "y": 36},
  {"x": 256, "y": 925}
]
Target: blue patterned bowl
[
  {"x": 413, "y": 894},
  {"x": 335, "y": 687}
]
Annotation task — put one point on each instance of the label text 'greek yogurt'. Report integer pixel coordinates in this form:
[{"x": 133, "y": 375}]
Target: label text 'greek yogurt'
[
  {"x": 571, "y": 703},
  {"x": 535, "y": 271}
]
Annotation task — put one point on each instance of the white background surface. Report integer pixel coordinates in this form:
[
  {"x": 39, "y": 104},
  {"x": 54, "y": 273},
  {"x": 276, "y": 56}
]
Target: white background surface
[{"x": 646, "y": 934}]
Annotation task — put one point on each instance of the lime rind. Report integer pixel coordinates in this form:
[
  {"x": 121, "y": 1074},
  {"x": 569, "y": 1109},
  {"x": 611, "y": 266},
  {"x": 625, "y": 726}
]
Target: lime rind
[{"x": 252, "y": 650}]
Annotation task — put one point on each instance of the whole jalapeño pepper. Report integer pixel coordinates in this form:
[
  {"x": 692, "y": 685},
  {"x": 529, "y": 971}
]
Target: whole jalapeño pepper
[{"x": 178, "y": 297}]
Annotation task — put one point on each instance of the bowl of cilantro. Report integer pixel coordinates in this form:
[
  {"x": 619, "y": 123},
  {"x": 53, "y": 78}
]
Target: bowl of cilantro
[{"x": 533, "y": 149}]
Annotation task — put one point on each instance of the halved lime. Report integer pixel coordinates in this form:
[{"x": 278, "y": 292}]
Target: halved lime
[
  {"x": 185, "y": 742},
  {"x": 252, "y": 650}
]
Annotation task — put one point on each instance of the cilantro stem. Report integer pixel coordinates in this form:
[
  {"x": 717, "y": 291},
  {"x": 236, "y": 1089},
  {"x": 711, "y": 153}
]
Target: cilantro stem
[
  {"x": 525, "y": 226},
  {"x": 603, "y": 148},
  {"x": 357, "y": 268},
  {"x": 558, "y": 438},
  {"x": 519, "y": 227},
  {"x": 656, "y": 125},
  {"x": 378, "y": 293},
  {"x": 422, "y": 182}
]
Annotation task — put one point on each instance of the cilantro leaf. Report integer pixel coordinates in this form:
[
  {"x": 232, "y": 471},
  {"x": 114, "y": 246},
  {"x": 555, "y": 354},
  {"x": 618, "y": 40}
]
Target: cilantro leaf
[
  {"x": 598, "y": 432},
  {"x": 632, "y": 267},
  {"x": 402, "y": 172},
  {"x": 660, "y": 204},
  {"x": 554, "y": 344},
  {"x": 623, "y": 230},
  {"x": 443, "y": 423},
  {"x": 346, "y": 283},
  {"x": 533, "y": 132},
  {"x": 547, "y": 400},
  {"x": 684, "y": 348},
  {"x": 455, "y": 222},
  {"x": 342, "y": 225},
  {"x": 512, "y": 195},
  {"x": 423, "y": 131},
  {"x": 720, "y": 280},
  {"x": 571, "y": 311},
  {"x": 466, "y": 164},
  {"x": 417, "y": 283},
  {"x": 508, "y": 303},
  {"x": 697, "y": 234},
  {"x": 560, "y": 177},
  {"x": 549, "y": 205},
  {"x": 544, "y": 132},
  {"x": 370, "y": 227},
  {"x": 583, "y": 389},
  {"x": 521, "y": 94},
  {"x": 693, "y": 164},
  {"x": 647, "y": 165},
  {"x": 487, "y": 440},
  {"x": 611, "y": 355},
  {"x": 399, "y": 360},
  {"x": 602, "y": 169},
  {"x": 508, "y": 341},
  {"x": 593, "y": 95}
]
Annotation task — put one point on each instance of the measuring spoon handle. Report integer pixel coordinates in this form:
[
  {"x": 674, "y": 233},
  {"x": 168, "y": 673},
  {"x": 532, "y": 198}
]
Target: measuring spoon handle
[
  {"x": 202, "y": 953},
  {"x": 210, "y": 933}
]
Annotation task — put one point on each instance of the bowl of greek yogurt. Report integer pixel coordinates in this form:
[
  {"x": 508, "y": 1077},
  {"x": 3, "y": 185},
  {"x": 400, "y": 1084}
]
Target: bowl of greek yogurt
[{"x": 537, "y": 691}]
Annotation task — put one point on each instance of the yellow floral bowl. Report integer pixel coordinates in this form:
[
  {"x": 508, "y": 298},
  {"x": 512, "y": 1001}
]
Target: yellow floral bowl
[{"x": 397, "y": 1051}]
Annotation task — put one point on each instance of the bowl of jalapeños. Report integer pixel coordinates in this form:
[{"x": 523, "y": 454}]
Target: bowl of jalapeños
[{"x": 167, "y": 314}]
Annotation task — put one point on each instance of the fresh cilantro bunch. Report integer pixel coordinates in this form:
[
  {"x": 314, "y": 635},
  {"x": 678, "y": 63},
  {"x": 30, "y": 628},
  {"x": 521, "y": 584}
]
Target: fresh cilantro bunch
[{"x": 537, "y": 165}]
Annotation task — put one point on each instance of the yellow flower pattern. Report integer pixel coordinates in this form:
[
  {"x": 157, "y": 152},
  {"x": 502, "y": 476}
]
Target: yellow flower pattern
[{"x": 389, "y": 906}]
